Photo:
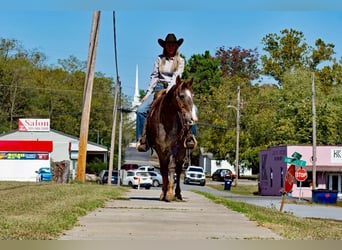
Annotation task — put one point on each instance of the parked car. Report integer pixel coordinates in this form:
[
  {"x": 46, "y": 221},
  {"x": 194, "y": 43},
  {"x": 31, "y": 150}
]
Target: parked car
[
  {"x": 221, "y": 174},
  {"x": 44, "y": 174},
  {"x": 194, "y": 174},
  {"x": 157, "y": 179},
  {"x": 129, "y": 166},
  {"x": 103, "y": 177},
  {"x": 135, "y": 178}
]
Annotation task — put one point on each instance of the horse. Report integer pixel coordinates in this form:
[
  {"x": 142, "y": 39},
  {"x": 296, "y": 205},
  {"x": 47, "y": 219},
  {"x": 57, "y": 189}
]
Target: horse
[{"x": 167, "y": 129}]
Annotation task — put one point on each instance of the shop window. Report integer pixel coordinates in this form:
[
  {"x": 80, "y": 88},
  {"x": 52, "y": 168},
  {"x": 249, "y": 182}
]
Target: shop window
[{"x": 281, "y": 178}]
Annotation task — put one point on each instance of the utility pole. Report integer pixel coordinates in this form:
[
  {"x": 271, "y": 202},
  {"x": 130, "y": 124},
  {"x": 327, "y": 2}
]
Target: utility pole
[
  {"x": 115, "y": 111},
  {"x": 237, "y": 108},
  {"x": 314, "y": 143},
  {"x": 87, "y": 94}
]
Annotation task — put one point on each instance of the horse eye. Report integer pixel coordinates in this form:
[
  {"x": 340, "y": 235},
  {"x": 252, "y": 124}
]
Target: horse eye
[{"x": 182, "y": 96}]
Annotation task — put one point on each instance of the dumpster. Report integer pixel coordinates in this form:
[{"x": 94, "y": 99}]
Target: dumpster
[
  {"x": 324, "y": 196},
  {"x": 227, "y": 184}
]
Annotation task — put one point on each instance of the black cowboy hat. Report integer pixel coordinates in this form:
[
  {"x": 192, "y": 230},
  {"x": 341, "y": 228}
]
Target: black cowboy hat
[{"x": 170, "y": 38}]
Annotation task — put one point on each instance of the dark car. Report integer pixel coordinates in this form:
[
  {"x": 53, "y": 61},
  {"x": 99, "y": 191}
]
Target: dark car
[
  {"x": 129, "y": 166},
  {"x": 221, "y": 174},
  {"x": 103, "y": 177}
]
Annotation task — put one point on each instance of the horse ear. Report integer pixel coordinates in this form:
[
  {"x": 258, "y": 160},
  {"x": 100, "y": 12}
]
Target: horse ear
[
  {"x": 178, "y": 80},
  {"x": 190, "y": 82}
]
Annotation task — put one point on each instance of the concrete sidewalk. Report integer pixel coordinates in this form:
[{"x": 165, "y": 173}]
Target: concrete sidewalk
[{"x": 142, "y": 216}]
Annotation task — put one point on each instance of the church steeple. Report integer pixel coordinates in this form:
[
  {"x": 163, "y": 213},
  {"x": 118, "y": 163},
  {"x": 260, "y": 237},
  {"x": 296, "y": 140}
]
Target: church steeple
[{"x": 136, "y": 99}]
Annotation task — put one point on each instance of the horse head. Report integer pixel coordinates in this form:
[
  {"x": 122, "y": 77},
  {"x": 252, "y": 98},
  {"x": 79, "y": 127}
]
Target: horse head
[{"x": 184, "y": 97}]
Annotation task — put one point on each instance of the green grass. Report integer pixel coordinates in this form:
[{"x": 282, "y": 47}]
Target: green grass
[
  {"x": 44, "y": 210},
  {"x": 284, "y": 224}
]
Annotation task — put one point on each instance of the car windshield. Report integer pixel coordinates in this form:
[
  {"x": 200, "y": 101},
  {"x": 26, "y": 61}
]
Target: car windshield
[
  {"x": 195, "y": 170},
  {"x": 45, "y": 170}
]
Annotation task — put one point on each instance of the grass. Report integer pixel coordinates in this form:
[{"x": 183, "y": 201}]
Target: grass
[
  {"x": 44, "y": 210},
  {"x": 284, "y": 224}
]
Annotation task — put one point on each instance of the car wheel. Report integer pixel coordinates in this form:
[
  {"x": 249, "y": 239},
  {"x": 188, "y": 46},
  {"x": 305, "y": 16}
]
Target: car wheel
[
  {"x": 156, "y": 183},
  {"x": 147, "y": 187},
  {"x": 130, "y": 184},
  {"x": 203, "y": 183}
]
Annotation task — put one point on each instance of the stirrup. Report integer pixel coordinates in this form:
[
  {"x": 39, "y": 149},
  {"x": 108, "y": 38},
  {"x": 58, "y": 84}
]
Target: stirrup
[{"x": 190, "y": 142}]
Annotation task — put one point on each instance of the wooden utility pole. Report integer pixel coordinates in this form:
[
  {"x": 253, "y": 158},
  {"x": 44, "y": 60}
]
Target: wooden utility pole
[
  {"x": 87, "y": 94},
  {"x": 237, "y": 137},
  {"x": 314, "y": 143},
  {"x": 237, "y": 109}
]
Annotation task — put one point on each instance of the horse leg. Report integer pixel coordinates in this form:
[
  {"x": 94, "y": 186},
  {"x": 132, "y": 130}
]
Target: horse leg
[
  {"x": 164, "y": 173},
  {"x": 172, "y": 165},
  {"x": 178, "y": 190},
  {"x": 164, "y": 188}
]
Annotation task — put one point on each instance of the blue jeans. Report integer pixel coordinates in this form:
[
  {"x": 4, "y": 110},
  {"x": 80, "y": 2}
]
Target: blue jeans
[{"x": 142, "y": 112}]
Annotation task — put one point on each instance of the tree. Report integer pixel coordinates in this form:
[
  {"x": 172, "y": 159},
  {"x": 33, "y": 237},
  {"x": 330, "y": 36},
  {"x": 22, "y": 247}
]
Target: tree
[
  {"x": 238, "y": 62},
  {"x": 289, "y": 51},
  {"x": 286, "y": 52}
]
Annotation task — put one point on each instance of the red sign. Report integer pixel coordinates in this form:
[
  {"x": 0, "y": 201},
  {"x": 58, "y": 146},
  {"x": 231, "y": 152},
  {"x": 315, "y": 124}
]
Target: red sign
[
  {"x": 289, "y": 178},
  {"x": 301, "y": 174}
]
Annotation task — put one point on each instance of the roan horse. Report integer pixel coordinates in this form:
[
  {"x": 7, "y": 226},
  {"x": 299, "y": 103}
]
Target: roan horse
[{"x": 167, "y": 128}]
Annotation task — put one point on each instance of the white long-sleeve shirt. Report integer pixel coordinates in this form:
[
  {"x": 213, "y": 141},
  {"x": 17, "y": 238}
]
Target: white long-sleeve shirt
[{"x": 165, "y": 73}]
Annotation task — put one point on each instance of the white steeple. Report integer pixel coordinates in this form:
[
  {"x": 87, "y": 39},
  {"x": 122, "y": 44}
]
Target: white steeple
[{"x": 136, "y": 99}]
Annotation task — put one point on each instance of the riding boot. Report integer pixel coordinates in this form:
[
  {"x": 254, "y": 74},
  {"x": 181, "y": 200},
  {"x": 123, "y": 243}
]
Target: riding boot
[{"x": 142, "y": 145}]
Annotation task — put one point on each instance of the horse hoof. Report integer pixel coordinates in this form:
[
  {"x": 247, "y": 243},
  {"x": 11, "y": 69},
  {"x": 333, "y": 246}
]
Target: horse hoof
[{"x": 169, "y": 197}]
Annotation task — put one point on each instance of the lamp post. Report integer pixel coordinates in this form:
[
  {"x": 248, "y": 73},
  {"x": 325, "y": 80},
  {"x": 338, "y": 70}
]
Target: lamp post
[{"x": 237, "y": 108}]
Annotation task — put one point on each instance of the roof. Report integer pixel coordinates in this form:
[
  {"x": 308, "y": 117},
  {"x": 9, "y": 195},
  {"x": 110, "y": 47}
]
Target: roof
[{"x": 53, "y": 135}]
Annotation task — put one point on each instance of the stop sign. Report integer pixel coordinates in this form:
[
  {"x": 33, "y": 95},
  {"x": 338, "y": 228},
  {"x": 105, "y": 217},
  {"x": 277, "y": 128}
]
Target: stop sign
[{"x": 301, "y": 174}]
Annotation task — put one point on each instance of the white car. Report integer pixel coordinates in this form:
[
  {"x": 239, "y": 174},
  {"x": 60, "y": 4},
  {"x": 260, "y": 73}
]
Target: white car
[
  {"x": 157, "y": 179},
  {"x": 194, "y": 174},
  {"x": 137, "y": 178}
]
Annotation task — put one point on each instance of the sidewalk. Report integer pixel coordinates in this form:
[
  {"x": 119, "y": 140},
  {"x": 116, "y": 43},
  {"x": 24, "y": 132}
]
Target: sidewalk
[{"x": 143, "y": 216}]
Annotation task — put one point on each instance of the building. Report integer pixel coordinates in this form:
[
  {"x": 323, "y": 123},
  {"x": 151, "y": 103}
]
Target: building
[
  {"x": 35, "y": 145},
  {"x": 272, "y": 169}
]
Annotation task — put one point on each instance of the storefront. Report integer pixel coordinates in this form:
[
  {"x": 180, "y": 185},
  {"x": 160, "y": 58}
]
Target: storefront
[{"x": 272, "y": 170}]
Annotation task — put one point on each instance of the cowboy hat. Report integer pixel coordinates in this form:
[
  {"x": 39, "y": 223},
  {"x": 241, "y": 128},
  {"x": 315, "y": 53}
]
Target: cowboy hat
[{"x": 171, "y": 38}]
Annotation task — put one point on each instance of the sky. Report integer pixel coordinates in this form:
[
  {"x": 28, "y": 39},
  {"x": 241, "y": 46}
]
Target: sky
[{"x": 60, "y": 29}]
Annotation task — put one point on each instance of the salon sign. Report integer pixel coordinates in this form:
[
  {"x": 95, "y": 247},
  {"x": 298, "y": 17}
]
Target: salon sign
[{"x": 33, "y": 125}]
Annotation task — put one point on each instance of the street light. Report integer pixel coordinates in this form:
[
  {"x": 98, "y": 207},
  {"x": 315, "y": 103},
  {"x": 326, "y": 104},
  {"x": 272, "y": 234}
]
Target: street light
[{"x": 237, "y": 108}]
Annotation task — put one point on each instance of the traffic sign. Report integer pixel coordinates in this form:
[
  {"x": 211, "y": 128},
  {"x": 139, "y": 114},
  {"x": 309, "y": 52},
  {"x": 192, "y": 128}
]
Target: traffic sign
[
  {"x": 289, "y": 177},
  {"x": 294, "y": 161},
  {"x": 301, "y": 174}
]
